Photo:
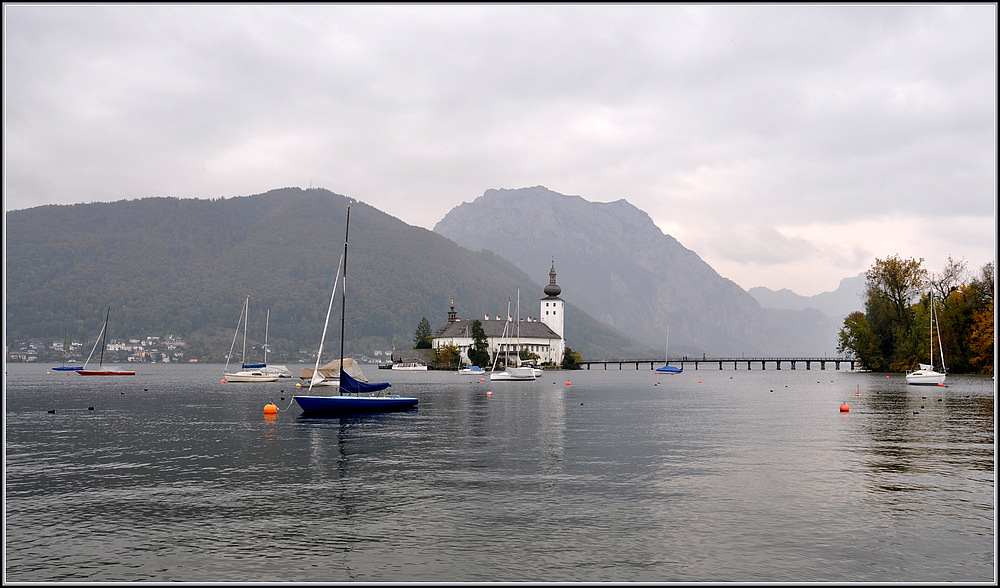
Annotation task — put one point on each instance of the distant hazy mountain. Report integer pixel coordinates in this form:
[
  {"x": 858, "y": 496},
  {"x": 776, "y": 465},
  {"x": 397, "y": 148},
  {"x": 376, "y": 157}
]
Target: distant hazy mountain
[
  {"x": 185, "y": 267},
  {"x": 847, "y": 298},
  {"x": 619, "y": 267}
]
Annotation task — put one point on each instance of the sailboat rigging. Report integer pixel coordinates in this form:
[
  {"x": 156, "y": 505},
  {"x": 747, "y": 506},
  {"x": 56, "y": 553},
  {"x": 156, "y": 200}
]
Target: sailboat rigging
[
  {"x": 926, "y": 375},
  {"x": 353, "y": 401},
  {"x": 471, "y": 368},
  {"x": 249, "y": 372},
  {"x": 667, "y": 368},
  {"x": 64, "y": 367},
  {"x": 511, "y": 373},
  {"x": 103, "y": 371}
]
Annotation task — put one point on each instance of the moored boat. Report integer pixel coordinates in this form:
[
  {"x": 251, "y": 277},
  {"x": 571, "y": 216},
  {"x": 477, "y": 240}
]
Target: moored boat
[
  {"x": 102, "y": 370},
  {"x": 355, "y": 396},
  {"x": 409, "y": 366},
  {"x": 925, "y": 374},
  {"x": 249, "y": 372},
  {"x": 667, "y": 368}
]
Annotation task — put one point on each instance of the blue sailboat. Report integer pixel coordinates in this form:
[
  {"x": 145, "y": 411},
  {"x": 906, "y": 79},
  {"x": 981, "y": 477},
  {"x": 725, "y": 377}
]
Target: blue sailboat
[
  {"x": 64, "y": 367},
  {"x": 355, "y": 396},
  {"x": 668, "y": 369}
]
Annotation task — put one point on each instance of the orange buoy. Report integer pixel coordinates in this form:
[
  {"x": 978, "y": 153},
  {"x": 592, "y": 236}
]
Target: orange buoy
[
  {"x": 940, "y": 383},
  {"x": 489, "y": 392},
  {"x": 222, "y": 381},
  {"x": 270, "y": 409},
  {"x": 845, "y": 408},
  {"x": 567, "y": 382},
  {"x": 482, "y": 379},
  {"x": 887, "y": 377}
]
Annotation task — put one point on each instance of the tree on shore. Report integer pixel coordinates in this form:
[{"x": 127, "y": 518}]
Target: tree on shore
[
  {"x": 422, "y": 337},
  {"x": 479, "y": 353},
  {"x": 571, "y": 360},
  {"x": 892, "y": 333}
]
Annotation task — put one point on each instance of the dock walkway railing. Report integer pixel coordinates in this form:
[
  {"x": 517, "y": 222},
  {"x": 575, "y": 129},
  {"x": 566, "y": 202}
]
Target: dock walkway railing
[{"x": 736, "y": 362}]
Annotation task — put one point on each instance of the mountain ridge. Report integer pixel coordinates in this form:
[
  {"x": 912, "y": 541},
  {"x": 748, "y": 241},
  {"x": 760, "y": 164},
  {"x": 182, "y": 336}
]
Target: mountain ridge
[
  {"x": 626, "y": 272},
  {"x": 185, "y": 266}
]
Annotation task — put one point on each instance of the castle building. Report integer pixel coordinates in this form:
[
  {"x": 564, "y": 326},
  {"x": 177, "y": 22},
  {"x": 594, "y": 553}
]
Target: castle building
[{"x": 542, "y": 336}]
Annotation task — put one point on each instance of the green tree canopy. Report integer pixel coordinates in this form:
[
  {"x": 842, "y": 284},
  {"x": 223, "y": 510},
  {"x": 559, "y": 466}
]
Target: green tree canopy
[
  {"x": 891, "y": 286},
  {"x": 856, "y": 338},
  {"x": 422, "y": 337},
  {"x": 479, "y": 354},
  {"x": 571, "y": 360},
  {"x": 893, "y": 334}
]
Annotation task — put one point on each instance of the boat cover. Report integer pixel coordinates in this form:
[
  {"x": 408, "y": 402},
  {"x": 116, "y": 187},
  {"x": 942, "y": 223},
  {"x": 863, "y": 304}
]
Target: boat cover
[
  {"x": 352, "y": 386},
  {"x": 330, "y": 370}
]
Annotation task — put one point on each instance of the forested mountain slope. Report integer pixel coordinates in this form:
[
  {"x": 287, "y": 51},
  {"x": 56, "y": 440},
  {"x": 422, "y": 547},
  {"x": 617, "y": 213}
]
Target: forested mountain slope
[{"x": 185, "y": 267}]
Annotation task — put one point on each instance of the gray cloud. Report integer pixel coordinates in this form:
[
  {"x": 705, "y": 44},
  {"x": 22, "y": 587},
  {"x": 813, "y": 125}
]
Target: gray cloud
[{"x": 732, "y": 126}]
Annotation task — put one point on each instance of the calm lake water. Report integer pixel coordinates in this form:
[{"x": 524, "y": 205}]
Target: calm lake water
[{"x": 589, "y": 476}]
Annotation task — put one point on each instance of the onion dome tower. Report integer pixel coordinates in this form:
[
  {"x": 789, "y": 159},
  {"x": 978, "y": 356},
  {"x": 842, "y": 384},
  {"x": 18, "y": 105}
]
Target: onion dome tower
[{"x": 551, "y": 311}]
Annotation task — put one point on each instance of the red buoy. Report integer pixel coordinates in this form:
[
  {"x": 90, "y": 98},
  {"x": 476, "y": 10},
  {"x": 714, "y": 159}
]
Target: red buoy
[{"x": 845, "y": 408}]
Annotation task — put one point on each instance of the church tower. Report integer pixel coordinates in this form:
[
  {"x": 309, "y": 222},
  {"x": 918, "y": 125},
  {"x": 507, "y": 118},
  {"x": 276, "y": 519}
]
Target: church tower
[{"x": 551, "y": 312}]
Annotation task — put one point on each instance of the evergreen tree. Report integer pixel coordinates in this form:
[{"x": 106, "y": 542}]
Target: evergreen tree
[
  {"x": 479, "y": 353},
  {"x": 422, "y": 337}
]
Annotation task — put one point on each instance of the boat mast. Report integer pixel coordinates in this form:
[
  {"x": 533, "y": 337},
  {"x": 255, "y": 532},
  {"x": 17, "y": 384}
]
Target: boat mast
[
  {"x": 235, "y": 335},
  {"x": 267, "y": 321},
  {"x": 105, "y": 331},
  {"x": 517, "y": 348},
  {"x": 101, "y": 334},
  {"x": 940, "y": 342},
  {"x": 319, "y": 353},
  {"x": 503, "y": 336},
  {"x": 343, "y": 305},
  {"x": 246, "y": 322}
]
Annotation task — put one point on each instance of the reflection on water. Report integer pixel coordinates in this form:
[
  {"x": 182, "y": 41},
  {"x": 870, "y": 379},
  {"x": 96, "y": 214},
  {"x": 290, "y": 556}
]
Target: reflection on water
[{"x": 622, "y": 476}]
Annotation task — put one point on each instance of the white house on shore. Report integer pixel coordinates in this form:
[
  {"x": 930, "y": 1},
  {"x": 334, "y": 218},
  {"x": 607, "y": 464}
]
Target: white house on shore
[{"x": 542, "y": 336}]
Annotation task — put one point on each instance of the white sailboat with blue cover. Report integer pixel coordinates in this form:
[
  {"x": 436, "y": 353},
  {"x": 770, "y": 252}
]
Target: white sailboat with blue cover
[{"x": 249, "y": 372}]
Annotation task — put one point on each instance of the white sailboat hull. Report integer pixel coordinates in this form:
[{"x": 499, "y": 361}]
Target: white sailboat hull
[
  {"x": 254, "y": 376},
  {"x": 409, "y": 367},
  {"x": 513, "y": 374},
  {"x": 925, "y": 377}
]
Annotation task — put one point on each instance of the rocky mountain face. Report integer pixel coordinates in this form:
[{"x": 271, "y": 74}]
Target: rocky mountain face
[{"x": 616, "y": 265}]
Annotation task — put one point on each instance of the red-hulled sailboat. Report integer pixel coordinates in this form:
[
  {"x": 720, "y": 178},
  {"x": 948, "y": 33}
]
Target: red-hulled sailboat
[{"x": 101, "y": 370}]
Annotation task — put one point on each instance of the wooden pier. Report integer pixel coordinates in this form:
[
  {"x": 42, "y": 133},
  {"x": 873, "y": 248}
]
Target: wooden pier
[{"x": 736, "y": 362}]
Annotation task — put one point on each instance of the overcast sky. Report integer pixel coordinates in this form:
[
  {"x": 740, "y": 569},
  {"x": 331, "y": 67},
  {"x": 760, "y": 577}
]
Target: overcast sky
[{"x": 788, "y": 146}]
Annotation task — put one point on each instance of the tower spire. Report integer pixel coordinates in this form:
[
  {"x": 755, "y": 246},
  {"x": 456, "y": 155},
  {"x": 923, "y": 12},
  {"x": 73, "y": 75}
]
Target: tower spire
[{"x": 552, "y": 289}]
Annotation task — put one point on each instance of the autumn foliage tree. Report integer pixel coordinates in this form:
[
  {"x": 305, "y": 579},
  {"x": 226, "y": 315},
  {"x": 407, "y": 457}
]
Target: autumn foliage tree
[{"x": 893, "y": 333}]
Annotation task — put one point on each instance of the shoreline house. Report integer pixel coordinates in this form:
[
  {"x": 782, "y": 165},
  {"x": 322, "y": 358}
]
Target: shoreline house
[{"x": 542, "y": 336}]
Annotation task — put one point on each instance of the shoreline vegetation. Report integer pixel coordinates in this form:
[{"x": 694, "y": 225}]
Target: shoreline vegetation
[{"x": 891, "y": 334}]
